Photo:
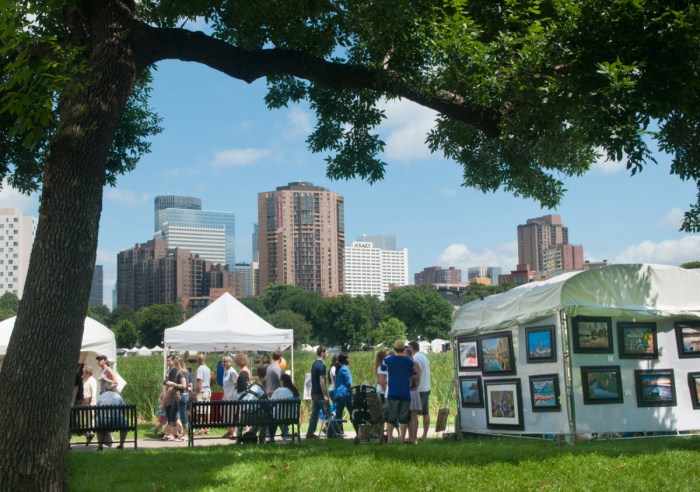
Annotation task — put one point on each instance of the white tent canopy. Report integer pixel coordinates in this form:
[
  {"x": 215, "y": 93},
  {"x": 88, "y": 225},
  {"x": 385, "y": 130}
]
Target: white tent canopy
[
  {"x": 227, "y": 325},
  {"x": 97, "y": 339},
  {"x": 626, "y": 291}
]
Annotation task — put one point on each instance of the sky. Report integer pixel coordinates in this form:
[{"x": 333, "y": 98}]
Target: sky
[{"x": 221, "y": 144}]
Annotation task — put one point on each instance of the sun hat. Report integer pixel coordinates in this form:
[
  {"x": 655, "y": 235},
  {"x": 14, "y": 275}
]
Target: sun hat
[{"x": 399, "y": 345}]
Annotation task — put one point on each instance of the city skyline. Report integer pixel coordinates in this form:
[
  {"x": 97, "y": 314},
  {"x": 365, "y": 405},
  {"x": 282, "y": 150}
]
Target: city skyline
[{"x": 224, "y": 146}]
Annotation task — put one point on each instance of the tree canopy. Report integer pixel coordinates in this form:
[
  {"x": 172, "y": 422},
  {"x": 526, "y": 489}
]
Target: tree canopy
[{"x": 528, "y": 92}]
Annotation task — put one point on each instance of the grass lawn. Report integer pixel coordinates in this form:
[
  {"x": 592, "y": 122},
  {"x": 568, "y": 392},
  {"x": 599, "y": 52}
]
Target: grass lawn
[{"x": 659, "y": 464}]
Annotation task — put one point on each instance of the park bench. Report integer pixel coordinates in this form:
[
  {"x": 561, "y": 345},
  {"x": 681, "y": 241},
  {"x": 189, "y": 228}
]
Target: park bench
[
  {"x": 103, "y": 418},
  {"x": 258, "y": 414}
]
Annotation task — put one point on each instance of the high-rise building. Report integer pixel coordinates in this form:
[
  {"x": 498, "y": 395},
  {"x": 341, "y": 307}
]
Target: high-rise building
[
  {"x": 245, "y": 279},
  {"x": 173, "y": 201},
  {"x": 151, "y": 273},
  {"x": 301, "y": 238},
  {"x": 436, "y": 275},
  {"x": 16, "y": 238},
  {"x": 543, "y": 243},
  {"x": 96, "y": 295},
  {"x": 382, "y": 241},
  {"x": 370, "y": 270},
  {"x": 484, "y": 272},
  {"x": 181, "y": 223}
]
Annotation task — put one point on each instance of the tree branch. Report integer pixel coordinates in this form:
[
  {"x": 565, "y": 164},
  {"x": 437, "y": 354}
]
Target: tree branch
[{"x": 155, "y": 44}]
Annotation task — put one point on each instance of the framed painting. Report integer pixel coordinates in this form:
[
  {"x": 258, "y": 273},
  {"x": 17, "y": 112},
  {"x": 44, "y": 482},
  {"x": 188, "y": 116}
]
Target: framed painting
[
  {"x": 694, "y": 384},
  {"x": 497, "y": 353},
  {"x": 504, "y": 404},
  {"x": 468, "y": 348},
  {"x": 601, "y": 384},
  {"x": 655, "y": 388},
  {"x": 688, "y": 339},
  {"x": 592, "y": 335},
  {"x": 471, "y": 392},
  {"x": 540, "y": 344},
  {"x": 544, "y": 393},
  {"x": 637, "y": 340}
]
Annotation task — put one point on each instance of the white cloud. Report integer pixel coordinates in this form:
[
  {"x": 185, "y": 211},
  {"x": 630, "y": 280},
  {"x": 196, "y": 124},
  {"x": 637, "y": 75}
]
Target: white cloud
[
  {"x": 11, "y": 198},
  {"x": 673, "y": 219},
  {"x": 503, "y": 255},
  {"x": 604, "y": 165},
  {"x": 238, "y": 157},
  {"x": 405, "y": 130},
  {"x": 127, "y": 197},
  {"x": 669, "y": 252},
  {"x": 298, "y": 124}
]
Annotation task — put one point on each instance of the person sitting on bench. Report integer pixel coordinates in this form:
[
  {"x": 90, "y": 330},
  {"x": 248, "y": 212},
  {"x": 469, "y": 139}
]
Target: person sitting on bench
[{"x": 110, "y": 419}]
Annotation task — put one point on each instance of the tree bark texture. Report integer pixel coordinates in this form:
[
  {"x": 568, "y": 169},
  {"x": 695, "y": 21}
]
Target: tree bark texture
[{"x": 39, "y": 368}]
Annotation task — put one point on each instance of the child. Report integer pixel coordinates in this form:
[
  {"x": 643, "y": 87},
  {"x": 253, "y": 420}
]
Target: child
[{"x": 161, "y": 417}]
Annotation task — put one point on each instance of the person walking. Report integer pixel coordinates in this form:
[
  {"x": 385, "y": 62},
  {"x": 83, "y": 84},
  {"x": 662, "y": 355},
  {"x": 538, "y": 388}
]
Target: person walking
[
  {"x": 273, "y": 374},
  {"x": 319, "y": 395},
  {"x": 343, "y": 383},
  {"x": 398, "y": 400},
  {"x": 423, "y": 386},
  {"x": 415, "y": 406},
  {"x": 203, "y": 386}
]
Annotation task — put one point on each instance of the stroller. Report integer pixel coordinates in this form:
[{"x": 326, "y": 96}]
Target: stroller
[{"x": 366, "y": 414}]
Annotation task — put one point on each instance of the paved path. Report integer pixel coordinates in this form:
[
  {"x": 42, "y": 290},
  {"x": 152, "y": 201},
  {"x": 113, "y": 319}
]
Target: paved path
[{"x": 199, "y": 441}]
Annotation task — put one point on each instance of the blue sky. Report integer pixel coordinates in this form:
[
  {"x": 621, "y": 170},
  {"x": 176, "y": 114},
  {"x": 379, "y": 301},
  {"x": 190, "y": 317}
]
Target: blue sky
[{"x": 221, "y": 144}]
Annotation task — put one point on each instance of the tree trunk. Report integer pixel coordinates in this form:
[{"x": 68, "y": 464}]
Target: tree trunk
[{"x": 38, "y": 371}]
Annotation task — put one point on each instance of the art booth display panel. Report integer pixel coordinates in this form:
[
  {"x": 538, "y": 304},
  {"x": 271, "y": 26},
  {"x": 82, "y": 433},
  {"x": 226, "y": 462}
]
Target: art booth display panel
[
  {"x": 511, "y": 381},
  {"x": 633, "y": 376}
]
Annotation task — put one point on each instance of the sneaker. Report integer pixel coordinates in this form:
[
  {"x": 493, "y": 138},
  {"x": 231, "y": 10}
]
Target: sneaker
[{"x": 311, "y": 436}]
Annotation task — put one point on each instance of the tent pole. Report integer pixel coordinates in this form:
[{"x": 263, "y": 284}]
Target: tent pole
[
  {"x": 568, "y": 373},
  {"x": 292, "y": 347}
]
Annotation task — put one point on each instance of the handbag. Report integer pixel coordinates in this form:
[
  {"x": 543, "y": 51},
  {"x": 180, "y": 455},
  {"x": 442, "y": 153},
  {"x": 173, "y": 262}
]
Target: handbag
[
  {"x": 178, "y": 396},
  {"x": 121, "y": 382}
]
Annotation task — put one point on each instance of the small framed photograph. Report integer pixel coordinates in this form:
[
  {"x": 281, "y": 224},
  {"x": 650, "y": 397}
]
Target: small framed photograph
[
  {"x": 497, "y": 353},
  {"x": 504, "y": 404},
  {"x": 544, "y": 393},
  {"x": 601, "y": 384},
  {"x": 655, "y": 388},
  {"x": 468, "y": 353},
  {"x": 471, "y": 392},
  {"x": 688, "y": 339},
  {"x": 694, "y": 384},
  {"x": 540, "y": 344},
  {"x": 637, "y": 340},
  {"x": 592, "y": 335}
]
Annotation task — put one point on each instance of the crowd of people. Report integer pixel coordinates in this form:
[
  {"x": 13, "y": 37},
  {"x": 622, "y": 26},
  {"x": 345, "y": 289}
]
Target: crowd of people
[{"x": 402, "y": 384}]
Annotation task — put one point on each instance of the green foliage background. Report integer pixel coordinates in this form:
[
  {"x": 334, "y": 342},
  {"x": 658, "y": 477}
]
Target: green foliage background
[{"x": 144, "y": 376}]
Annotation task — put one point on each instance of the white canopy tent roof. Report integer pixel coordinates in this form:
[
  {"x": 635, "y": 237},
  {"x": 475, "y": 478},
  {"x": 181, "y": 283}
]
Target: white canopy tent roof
[
  {"x": 627, "y": 291},
  {"x": 97, "y": 339},
  {"x": 227, "y": 325}
]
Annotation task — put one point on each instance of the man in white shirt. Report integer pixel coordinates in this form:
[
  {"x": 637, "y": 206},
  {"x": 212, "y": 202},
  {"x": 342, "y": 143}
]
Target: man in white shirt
[
  {"x": 203, "y": 385},
  {"x": 423, "y": 386}
]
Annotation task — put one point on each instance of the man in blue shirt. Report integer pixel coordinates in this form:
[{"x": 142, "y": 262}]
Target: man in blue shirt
[
  {"x": 398, "y": 400},
  {"x": 319, "y": 396}
]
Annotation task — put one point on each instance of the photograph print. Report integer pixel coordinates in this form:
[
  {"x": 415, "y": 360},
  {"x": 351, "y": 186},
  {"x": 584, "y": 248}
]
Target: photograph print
[
  {"x": 688, "y": 338},
  {"x": 504, "y": 404},
  {"x": 468, "y": 353},
  {"x": 544, "y": 393},
  {"x": 694, "y": 385},
  {"x": 592, "y": 335},
  {"x": 601, "y": 384},
  {"x": 470, "y": 391},
  {"x": 497, "y": 354},
  {"x": 655, "y": 388},
  {"x": 540, "y": 344},
  {"x": 637, "y": 340}
]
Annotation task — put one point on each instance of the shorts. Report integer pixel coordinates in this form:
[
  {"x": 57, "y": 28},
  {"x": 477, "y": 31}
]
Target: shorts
[
  {"x": 396, "y": 410},
  {"x": 204, "y": 396},
  {"x": 424, "y": 399}
]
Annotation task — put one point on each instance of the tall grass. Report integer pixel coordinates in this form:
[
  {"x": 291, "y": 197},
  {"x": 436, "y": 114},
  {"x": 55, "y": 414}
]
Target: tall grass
[{"x": 144, "y": 376}]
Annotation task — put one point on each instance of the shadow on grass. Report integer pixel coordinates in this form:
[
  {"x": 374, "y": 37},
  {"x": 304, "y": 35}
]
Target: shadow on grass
[{"x": 299, "y": 466}]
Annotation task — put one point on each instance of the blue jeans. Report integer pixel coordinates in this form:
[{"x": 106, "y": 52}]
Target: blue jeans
[
  {"x": 341, "y": 404},
  {"x": 316, "y": 405},
  {"x": 183, "y": 409}
]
